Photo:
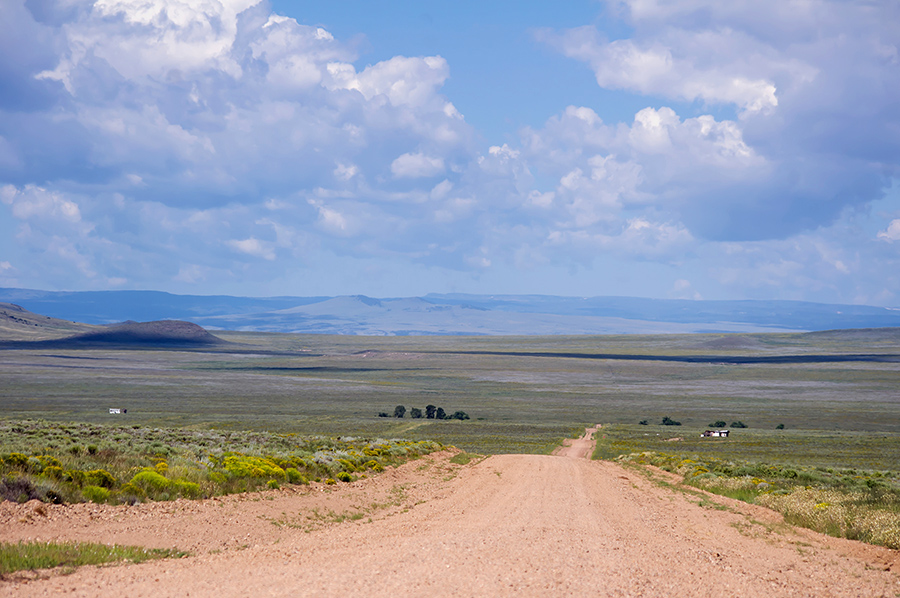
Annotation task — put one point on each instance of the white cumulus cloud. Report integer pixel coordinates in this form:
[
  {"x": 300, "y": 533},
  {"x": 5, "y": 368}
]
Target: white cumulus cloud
[{"x": 416, "y": 166}]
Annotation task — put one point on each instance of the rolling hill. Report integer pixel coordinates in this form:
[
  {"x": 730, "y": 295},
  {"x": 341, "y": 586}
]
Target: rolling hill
[{"x": 453, "y": 314}]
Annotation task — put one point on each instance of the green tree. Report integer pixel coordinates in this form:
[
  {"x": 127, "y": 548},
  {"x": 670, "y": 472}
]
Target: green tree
[
  {"x": 460, "y": 415},
  {"x": 441, "y": 414},
  {"x": 399, "y": 411},
  {"x": 430, "y": 411},
  {"x": 668, "y": 421},
  {"x": 415, "y": 413},
  {"x": 718, "y": 424}
]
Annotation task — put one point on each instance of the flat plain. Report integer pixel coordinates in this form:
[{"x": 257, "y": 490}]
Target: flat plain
[{"x": 837, "y": 393}]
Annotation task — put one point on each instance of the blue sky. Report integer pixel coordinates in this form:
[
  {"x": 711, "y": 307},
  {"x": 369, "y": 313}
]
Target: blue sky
[{"x": 658, "y": 148}]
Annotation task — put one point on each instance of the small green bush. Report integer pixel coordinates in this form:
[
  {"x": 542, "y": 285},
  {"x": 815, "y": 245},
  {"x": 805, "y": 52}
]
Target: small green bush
[
  {"x": 75, "y": 476},
  {"x": 244, "y": 466},
  {"x": 53, "y": 471},
  {"x": 344, "y": 476},
  {"x": 95, "y": 494},
  {"x": 100, "y": 477},
  {"x": 295, "y": 477},
  {"x": 16, "y": 460},
  {"x": 273, "y": 484},
  {"x": 150, "y": 481},
  {"x": 185, "y": 488}
]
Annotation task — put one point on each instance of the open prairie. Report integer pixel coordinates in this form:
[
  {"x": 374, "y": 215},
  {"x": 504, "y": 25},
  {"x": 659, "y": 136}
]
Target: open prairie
[{"x": 523, "y": 394}]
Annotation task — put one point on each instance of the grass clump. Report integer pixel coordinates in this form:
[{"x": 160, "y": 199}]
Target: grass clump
[
  {"x": 29, "y": 556},
  {"x": 464, "y": 458}
]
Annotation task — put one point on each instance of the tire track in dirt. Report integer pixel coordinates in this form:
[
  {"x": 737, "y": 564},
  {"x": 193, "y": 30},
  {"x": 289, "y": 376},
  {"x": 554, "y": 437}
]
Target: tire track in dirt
[{"x": 509, "y": 525}]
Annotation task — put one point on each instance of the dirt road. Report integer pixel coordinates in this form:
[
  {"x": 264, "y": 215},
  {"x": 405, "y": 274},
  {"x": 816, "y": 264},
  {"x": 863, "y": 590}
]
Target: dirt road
[{"x": 510, "y": 525}]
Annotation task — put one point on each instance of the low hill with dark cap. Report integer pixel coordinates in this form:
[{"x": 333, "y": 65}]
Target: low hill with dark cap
[{"x": 162, "y": 332}]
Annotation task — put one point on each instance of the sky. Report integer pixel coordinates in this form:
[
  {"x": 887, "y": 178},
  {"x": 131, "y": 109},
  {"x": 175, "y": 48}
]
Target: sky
[{"x": 652, "y": 148}]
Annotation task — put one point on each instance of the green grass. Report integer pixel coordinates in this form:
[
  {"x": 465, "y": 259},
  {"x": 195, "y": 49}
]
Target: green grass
[
  {"x": 29, "y": 556},
  {"x": 464, "y": 458}
]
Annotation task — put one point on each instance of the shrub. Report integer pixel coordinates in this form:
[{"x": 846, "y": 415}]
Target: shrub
[
  {"x": 243, "y": 466},
  {"x": 273, "y": 484},
  {"x": 149, "y": 481},
  {"x": 440, "y": 413},
  {"x": 99, "y": 477},
  {"x": 95, "y": 494},
  {"x": 643, "y": 422},
  {"x": 17, "y": 488},
  {"x": 131, "y": 493},
  {"x": 415, "y": 413},
  {"x": 92, "y": 449},
  {"x": 460, "y": 415},
  {"x": 718, "y": 424},
  {"x": 330, "y": 481},
  {"x": 48, "y": 461},
  {"x": 399, "y": 411},
  {"x": 295, "y": 477},
  {"x": 344, "y": 476},
  {"x": 668, "y": 421},
  {"x": 53, "y": 471},
  {"x": 75, "y": 476},
  {"x": 185, "y": 488},
  {"x": 373, "y": 465},
  {"x": 779, "y": 427},
  {"x": 16, "y": 460},
  {"x": 346, "y": 465},
  {"x": 738, "y": 424}
]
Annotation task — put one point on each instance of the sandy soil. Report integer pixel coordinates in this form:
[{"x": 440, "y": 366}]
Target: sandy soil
[{"x": 509, "y": 525}]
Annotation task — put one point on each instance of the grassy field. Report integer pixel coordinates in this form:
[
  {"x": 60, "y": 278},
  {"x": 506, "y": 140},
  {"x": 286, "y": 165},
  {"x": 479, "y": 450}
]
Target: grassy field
[{"x": 333, "y": 386}]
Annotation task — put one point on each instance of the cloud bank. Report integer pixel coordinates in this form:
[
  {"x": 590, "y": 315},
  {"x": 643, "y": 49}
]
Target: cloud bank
[{"x": 217, "y": 146}]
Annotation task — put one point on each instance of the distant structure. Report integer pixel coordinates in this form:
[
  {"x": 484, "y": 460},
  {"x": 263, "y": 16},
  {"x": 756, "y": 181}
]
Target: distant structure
[
  {"x": 715, "y": 434},
  {"x": 114, "y": 411}
]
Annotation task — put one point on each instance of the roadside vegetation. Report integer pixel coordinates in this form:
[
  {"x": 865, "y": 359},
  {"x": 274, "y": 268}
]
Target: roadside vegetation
[
  {"x": 64, "y": 463},
  {"x": 30, "y": 556},
  {"x": 809, "y": 490}
]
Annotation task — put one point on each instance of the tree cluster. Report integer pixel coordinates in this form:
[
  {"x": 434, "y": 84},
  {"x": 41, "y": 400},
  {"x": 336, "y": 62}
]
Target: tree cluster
[{"x": 431, "y": 412}]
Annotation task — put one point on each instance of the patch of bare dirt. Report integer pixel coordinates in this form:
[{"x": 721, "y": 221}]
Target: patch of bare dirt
[{"x": 509, "y": 525}]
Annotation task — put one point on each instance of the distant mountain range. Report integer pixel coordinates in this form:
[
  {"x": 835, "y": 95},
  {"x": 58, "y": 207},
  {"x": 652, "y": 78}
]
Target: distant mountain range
[{"x": 451, "y": 314}]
